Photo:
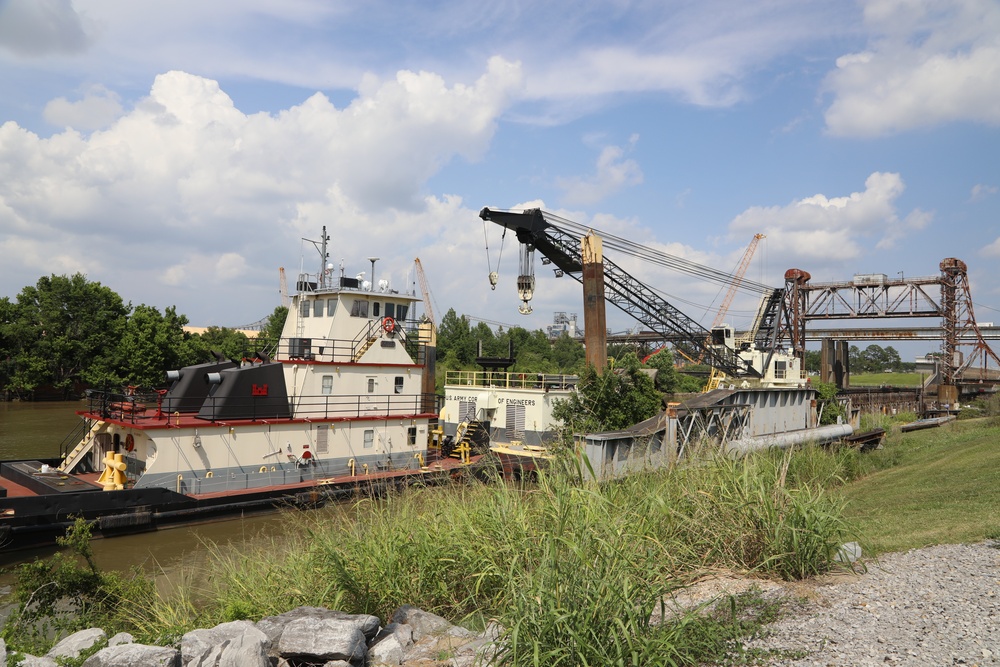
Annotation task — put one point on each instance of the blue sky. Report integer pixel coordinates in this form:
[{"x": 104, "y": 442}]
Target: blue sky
[{"x": 179, "y": 152}]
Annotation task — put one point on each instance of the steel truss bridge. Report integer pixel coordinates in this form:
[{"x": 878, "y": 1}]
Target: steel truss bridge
[{"x": 869, "y": 296}]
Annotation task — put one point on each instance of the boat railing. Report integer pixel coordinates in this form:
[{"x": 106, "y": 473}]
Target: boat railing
[
  {"x": 129, "y": 405},
  {"x": 339, "y": 350},
  {"x": 506, "y": 380},
  {"x": 342, "y": 407},
  {"x": 315, "y": 349}
]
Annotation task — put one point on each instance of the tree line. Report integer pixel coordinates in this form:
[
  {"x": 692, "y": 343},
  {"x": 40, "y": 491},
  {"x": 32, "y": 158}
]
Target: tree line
[
  {"x": 66, "y": 333},
  {"x": 872, "y": 359}
]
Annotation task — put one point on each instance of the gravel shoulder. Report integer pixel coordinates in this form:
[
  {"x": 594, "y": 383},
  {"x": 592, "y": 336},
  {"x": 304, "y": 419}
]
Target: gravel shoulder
[{"x": 938, "y": 605}]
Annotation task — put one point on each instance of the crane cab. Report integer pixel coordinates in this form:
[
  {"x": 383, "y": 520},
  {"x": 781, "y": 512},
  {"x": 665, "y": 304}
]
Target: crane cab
[{"x": 723, "y": 336}]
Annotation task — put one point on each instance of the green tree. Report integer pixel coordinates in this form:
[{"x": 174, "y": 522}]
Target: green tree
[
  {"x": 151, "y": 344},
  {"x": 229, "y": 343},
  {"x": 8, "y": 317},
  {"x": 826, "y": 395},
  {"x": 568, "y": 354},
  {"x": 874, "y": 359},
  {"x": 455, "y": 343},
  {"x": 892, "y": 358},
  {"x": 65, "y": 331},
  {"x": 270, "y": 335},
  {"x": 611, "y": 400},
  {"x": 812, "y": 360},
  {"x": 857, "y": 363},
  {"x": 668, "y": 380}
]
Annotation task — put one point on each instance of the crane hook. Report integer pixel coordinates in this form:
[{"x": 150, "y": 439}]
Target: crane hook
[{"x": 494, "y": 278}]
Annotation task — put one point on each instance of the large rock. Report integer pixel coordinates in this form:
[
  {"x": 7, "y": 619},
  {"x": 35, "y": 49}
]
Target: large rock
[
  {"x": 76, "y": 643},
  {"x": 424, "y": 624},
  {"x": 434, "y": 639},
  {"x": 121, "y": 638},
  {"x": 272, "y": 626},
  {"x": 323, "y": 639},
  {"x": 235, "y": 644},
  {"x": 390, "y": 645},
  {"x": 35, "y": 661},
  {"x": 135, "y": 655}
]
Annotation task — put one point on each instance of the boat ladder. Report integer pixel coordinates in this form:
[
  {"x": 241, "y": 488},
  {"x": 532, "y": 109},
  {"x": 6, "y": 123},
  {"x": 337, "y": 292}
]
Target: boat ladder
[
  {"x": 82, "y": 449},
  {"x": 364, "y": 347}
]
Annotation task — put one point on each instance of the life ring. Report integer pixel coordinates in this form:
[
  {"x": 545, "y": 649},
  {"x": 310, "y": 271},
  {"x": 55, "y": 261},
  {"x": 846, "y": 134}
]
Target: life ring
[
  {"x": 129, "y": 443},
  {"x": 388, "y": 325}
]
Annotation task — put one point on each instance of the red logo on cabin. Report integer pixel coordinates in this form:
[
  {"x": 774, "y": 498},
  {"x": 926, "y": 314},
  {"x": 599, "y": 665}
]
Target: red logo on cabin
[{"x": 259, "y": 390}]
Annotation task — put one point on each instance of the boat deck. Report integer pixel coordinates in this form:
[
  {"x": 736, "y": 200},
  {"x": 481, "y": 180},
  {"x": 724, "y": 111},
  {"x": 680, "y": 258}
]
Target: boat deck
[
  {"x": 56, "y": 483},
  {"x": 53, "y": 482}
]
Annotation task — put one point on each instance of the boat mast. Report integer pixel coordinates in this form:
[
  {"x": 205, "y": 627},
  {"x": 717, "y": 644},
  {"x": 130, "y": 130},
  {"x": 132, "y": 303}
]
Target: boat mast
[{"x": 321, "y": 277}]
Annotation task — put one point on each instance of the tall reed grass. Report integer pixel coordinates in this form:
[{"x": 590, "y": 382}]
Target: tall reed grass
[{"x": 571, "y": 570}]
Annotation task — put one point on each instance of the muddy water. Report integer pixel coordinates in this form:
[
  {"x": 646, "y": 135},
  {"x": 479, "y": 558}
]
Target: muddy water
[{"x": 36, "y": 430}]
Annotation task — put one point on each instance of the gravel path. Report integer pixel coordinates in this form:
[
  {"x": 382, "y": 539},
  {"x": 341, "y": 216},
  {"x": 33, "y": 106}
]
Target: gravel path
[{"x": 934, "y": 606}]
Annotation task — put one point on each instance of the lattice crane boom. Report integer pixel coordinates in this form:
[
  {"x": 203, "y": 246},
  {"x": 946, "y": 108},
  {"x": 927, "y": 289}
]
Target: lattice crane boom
[
  {"x": 533, "y": 227},
  {"x": 425, "y": 290},
  {"x": 737, "y": 279},
  {"x": 283, "y": 287}
]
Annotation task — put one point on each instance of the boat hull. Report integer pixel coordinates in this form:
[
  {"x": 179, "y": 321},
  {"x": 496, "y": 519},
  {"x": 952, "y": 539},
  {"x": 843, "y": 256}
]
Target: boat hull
[{"x": 38, "y": 519}]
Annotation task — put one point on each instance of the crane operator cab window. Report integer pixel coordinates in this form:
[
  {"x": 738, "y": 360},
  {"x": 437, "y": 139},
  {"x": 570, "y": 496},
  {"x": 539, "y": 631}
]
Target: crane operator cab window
[{"x": 722, "y": 336}]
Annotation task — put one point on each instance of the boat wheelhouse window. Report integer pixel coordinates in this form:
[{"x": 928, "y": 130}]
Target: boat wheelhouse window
[
  {"x": 369, "y": 438},
  {"x": 318, "y": 308},
  {"x": 376, "y": 306},
  {"x": 331, "y": 307},
  {"x": 390, "y": 310},
  {"x": 401, "y": 311},
  {"x": 399, "y": 384},
  {"x": 411, "y": 436},
  {"x": 305, "y": 308},
  {"x": 371, "y": 385},
  {"x": 359, "y": 308},
  {"x": 779, "y": 370},
  {"x": 327, "y": 385}
]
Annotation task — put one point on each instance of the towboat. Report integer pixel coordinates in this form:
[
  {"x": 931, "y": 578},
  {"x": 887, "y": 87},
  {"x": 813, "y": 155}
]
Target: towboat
[{"x": 344, "y": 403}]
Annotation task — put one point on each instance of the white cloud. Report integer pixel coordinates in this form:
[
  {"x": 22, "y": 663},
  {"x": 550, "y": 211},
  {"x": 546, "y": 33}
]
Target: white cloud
[
  {"x": 200, "y": 269},
  {"x": 829, "y": 230},
  {"x": 930, "y": 62},
  {"x": 36, "y": 28},
  {"x": 981, "y": 191},
  {"x": 186, "y": 191},
  {"x": 613, "y": 172},
  {"x": 98, "y": 108},
  {"x": 992, "y": 250}
]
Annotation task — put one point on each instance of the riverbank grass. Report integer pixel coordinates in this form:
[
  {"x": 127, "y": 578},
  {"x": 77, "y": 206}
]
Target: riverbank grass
[
  {"x": 572, "y": 571},
  {"x": 943, "y": 488}
]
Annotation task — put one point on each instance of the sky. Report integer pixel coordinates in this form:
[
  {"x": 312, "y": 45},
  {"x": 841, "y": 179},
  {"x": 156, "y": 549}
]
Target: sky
[{"x": 179, "y": 153}]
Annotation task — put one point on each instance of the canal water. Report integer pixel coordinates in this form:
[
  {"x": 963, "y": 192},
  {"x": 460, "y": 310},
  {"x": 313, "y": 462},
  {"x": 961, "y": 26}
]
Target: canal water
[{"x": 36, "y": 430}]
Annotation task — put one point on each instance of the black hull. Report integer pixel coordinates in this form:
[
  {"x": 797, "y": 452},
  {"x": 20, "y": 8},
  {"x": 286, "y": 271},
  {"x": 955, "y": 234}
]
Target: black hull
[{"x": 38, "y": 520}]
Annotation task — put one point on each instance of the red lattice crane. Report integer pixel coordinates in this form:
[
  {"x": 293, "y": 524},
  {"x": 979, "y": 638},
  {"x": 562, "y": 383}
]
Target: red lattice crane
[{"x": 737, "y": 279}]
